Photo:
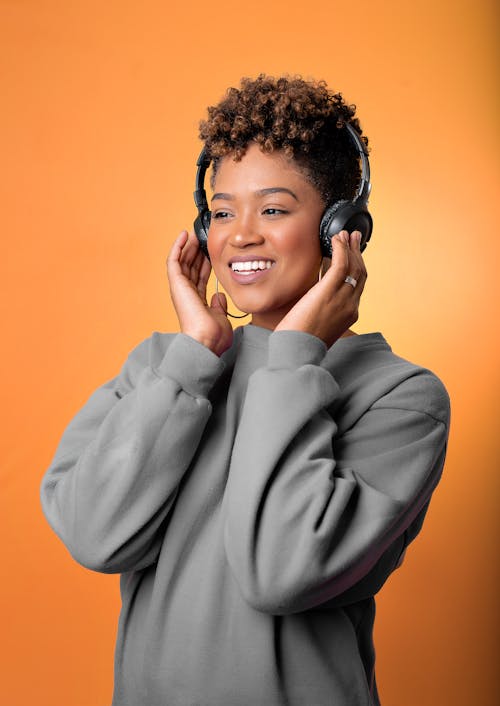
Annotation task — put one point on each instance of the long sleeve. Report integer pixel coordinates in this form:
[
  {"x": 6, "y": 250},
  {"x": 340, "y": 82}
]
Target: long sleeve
[
  {"x": 114, "y": 477},
  {"x": 312, "y": 513}
]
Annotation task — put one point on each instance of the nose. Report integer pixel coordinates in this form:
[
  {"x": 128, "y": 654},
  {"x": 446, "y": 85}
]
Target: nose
[{"x": 245, "y": 232}]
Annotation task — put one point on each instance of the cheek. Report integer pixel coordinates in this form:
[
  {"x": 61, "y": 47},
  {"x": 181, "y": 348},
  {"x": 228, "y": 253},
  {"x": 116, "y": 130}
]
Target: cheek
[
  {"x": 303, "y": 247},
  {"x": 214, "y": 246}
]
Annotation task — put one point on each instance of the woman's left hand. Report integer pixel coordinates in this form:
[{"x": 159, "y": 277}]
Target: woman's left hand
[{"x": 331, "y": 306}]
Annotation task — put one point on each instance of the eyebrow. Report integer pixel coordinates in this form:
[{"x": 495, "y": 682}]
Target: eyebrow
[{"x": 260, "y": 192}]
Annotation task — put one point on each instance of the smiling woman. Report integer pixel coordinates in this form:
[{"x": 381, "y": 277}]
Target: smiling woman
[{"x": 255, "y": 488}]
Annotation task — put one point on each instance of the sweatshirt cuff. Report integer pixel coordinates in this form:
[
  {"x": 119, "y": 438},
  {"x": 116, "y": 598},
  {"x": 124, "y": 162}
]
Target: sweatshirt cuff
[
  {"x": 292, "y": 349},
  {"x": 192, "y": 365}
]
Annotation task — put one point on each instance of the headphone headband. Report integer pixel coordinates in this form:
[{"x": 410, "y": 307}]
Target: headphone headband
[
  {"x": 364, "y": 186},
  {"x": 200, "y": 195}
]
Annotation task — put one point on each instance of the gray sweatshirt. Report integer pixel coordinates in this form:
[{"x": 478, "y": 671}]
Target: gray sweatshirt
[{"x": 254, "y": 504}]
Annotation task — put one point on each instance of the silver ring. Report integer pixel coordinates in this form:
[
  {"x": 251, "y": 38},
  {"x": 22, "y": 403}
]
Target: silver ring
[{"x": 350, "y": 280}]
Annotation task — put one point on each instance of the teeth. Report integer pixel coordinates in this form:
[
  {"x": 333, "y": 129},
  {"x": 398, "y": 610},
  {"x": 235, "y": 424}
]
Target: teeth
[{"x": 251, "y": 265}]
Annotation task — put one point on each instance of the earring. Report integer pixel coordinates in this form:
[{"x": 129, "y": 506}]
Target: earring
[{"x": 233, "y": 316}]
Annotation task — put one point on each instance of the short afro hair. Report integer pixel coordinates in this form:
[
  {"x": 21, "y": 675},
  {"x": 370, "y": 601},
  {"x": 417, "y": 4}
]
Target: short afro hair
[{"x": 299, "y": 117}]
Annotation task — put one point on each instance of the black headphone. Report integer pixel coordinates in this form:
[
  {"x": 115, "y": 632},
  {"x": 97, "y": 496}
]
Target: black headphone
[{"x": 341, "y": 215}]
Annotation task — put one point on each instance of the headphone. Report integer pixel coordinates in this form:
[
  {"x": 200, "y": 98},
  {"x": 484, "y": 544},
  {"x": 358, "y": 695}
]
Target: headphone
[{"x": 341, "y": 215}]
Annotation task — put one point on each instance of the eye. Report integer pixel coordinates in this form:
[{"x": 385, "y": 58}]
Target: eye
[
  {"x": 274, "y": 211},
  {"x": 220, "y": 215}
]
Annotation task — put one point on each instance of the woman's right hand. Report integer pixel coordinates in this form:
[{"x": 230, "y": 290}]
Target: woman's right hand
[{"x": 188, "y": 271}]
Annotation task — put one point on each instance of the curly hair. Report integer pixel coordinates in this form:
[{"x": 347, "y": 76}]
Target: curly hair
[{"x": 301, "y": 118}]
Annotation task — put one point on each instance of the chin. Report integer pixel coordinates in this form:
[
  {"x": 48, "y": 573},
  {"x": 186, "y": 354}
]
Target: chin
[
  {"x": 244, "y": 304},
  {"x": 269, "y": 301},
  {"x": 270, "y": 311}
]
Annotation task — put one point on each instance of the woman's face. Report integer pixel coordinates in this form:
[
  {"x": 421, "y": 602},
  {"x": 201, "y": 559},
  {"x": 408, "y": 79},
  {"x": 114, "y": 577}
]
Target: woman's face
[{"x": 263, "y": 239}]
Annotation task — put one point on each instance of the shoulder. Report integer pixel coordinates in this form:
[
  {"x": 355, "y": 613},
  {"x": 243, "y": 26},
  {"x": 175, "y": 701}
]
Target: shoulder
[
  {"x": 417, "y": 389},
  {"x": 371, "y": 375}
]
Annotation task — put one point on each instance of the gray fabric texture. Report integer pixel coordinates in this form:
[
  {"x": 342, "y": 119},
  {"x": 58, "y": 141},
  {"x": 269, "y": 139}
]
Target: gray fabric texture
[{"x": 254, "y": 505}]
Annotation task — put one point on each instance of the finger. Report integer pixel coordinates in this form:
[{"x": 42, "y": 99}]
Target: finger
[
  {"x": 350, "y": 263},
  {"x": 196, "y": 267},
  {"x": 189, "y": 252},
  {"x": 354, "y": 239},
  {"x": 176, "y": 251},
  {"x": 205, "y": 270},
  {"x": 219, "y": 301},
  {"x": 178, "y": 244},
  {"x": 357, "y": 269},
  {"x": 356, "y": 263},
  {"x": 340, "y": 257}
]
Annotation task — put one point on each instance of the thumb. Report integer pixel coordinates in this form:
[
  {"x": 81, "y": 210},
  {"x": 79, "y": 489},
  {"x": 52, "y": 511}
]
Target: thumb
[{"x": 219, "y": 302}]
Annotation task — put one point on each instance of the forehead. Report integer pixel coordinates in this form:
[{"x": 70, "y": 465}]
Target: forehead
[{"x": 258, "y": 170}]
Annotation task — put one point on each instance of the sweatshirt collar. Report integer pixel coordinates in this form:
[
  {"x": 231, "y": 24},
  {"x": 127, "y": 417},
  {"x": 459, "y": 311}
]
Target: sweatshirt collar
[{"x": 258, "y": 336}]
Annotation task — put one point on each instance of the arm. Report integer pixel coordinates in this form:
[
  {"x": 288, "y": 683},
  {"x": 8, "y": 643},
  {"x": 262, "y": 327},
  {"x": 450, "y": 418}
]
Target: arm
[
  {"x": 310, "y": 514},
  {"x": 115, "y": 475},
  {"x": 109, "y": 489}
]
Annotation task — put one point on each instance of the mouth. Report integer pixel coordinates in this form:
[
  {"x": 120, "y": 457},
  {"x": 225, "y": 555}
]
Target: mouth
[
  {"x": 249, "y": 266},
  {"x": 250, "y": 270}
]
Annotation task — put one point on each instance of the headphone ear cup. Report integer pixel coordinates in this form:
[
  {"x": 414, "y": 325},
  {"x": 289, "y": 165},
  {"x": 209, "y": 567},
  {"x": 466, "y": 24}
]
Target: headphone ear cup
[
  {"x": 201, "y": 226},
  {"x": 344, "y": 215},
  {"x": 332, "y": 223}
]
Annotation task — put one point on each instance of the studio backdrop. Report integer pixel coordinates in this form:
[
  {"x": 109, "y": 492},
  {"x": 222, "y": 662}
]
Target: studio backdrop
[{"x": 100, "y": 103}]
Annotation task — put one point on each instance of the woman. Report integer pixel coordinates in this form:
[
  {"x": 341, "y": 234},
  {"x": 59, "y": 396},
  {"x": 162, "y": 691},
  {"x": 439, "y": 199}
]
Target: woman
[{"x": 255, "y": 488}]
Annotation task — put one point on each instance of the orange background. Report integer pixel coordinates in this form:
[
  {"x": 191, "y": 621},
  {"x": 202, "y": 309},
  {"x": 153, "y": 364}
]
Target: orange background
[{"x": 100, "y": 105}]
